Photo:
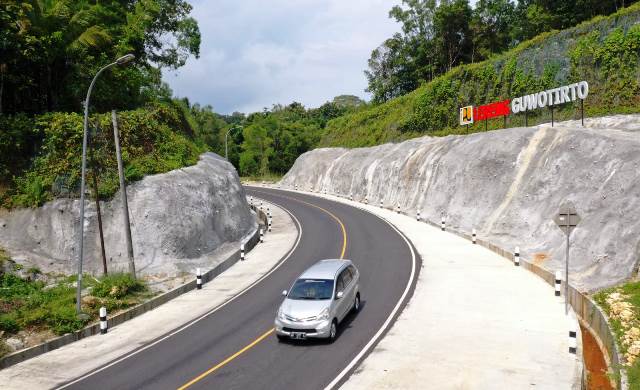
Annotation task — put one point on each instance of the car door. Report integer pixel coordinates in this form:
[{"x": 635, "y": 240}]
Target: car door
[
  {"x": 338, "y": 303},
  {"x": 347, "y": 298}
]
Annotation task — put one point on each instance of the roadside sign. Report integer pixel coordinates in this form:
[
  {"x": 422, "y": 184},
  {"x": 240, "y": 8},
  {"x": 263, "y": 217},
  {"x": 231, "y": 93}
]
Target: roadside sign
[
  {"x": 567, "y": 218},
  {"x": 466, "y": 115}
]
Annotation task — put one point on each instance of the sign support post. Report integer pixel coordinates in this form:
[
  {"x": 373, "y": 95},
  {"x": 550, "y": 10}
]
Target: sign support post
[
  {"x": 567, "y": 220},
  {"x": 582, "y": 111},
  {"x": 551, "y": 107}
]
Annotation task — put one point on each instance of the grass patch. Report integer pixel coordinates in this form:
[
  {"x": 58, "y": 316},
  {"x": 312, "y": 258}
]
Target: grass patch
[
  {"x": 622, "y": 306},
  {"x": 30, "y": 305}
]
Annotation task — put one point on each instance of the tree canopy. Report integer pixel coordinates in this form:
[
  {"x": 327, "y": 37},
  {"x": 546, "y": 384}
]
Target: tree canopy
[
  {"x": 50, "y": 50},
  {"x": 439, "y": 35}
]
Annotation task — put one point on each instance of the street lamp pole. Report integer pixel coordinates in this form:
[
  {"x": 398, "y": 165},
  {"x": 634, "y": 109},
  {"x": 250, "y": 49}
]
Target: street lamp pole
[
  {"x": 120, "y": 61},
  {"x": 226, "y": 148}
]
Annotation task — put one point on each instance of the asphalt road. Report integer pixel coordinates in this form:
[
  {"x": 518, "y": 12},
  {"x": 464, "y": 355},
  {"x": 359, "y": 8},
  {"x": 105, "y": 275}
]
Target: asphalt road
[{"x": 234, "y": 348}]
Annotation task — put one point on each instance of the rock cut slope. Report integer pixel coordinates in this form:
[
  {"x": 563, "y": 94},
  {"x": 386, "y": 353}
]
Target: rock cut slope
[
  {"x": 508, "y": 185},
  {"x": 177, "y": 218}
]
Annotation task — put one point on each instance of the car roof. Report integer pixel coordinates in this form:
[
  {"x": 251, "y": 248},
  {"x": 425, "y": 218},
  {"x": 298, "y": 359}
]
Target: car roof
[{"x": 325, "y": 269}]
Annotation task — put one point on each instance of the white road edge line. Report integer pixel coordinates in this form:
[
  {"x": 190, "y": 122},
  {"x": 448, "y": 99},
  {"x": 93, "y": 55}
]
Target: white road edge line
[
  {"x": 387, "y": 322},
  {"x": 287, "y": 256}
]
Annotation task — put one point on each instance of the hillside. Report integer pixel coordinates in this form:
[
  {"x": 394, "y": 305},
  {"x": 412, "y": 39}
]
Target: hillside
[
  {"x": 40, "y": 156},
  {"x": 605, "y": 51}
]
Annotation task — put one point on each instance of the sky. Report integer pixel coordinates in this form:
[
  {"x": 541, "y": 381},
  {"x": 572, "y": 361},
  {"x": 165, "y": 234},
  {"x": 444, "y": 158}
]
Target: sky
[{"x": 256, "y": 53}]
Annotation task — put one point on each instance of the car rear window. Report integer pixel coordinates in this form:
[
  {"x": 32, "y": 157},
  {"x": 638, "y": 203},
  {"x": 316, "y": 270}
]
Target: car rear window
[{"x": 311, "y": 289}]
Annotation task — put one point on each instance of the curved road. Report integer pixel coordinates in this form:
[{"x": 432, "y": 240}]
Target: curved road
[{"x": 235, "y": 348}]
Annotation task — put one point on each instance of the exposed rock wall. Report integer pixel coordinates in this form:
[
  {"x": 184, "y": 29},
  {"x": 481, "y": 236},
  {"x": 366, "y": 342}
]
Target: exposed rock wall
[
  {"x": 178, "y": 218},
  {"x": 509, "y": 184}
]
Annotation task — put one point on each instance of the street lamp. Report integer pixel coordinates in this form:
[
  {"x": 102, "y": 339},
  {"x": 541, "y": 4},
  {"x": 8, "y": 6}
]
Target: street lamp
[
  {"x": 226, "y": 149},
  {"x": 122, "y": 61}
]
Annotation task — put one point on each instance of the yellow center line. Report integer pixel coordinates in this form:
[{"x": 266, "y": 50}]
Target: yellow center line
[{"x": 270, "y": 331}]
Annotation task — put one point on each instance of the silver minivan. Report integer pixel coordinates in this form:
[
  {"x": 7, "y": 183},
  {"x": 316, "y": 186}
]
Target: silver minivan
[{"x": 319, "y": 300}]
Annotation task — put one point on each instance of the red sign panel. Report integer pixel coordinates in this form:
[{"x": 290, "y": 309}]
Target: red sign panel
[{"x": 482, "y": 113}]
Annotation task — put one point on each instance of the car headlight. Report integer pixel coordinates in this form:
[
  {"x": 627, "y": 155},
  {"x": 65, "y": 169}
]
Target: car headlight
[
  {"x": 280, "y": 314},
  {"x": 324, "y": 314}
]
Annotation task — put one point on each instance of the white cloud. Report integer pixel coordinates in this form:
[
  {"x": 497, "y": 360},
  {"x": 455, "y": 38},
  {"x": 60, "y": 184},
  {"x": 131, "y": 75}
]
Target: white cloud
[{"x": 256, "y": 53}]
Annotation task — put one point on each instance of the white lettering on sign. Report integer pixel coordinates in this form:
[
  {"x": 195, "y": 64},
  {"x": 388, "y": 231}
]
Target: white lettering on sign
[{"x": 566, "y": 94}]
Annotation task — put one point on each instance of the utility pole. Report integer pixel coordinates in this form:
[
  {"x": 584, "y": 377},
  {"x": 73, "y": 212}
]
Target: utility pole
[{"x": 123, "y": 191}]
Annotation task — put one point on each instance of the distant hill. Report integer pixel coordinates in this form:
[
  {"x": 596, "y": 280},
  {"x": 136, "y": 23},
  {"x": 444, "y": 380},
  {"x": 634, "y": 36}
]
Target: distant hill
[{"x": 604, "y": 51}]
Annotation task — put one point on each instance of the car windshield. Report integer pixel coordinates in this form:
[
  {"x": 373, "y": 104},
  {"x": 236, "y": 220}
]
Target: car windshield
[{"x": 312, "y": 289}]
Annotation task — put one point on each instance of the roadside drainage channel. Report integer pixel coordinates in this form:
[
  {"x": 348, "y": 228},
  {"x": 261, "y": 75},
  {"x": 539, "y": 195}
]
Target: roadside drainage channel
[
  {"x": 90, "y": 330},
  {"x": 588, "y": 312}
]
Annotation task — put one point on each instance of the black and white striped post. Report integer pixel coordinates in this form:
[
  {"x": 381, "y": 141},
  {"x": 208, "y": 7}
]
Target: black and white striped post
[
  {"x": 351, "y": 197},
  {"x": 261, "y": 235},
  {"x": 443, "y": 224},
  {"x": 366, "y": 200},
  {"x": 269, "y": 229},
  {"x": 296, "y": 187},
  {"x": 473, "y": 236},
  {"x": 398, "y": 208},
  {"x": 103, "y": 320},
  {"x": 573, "y": 338},
  {"x": 418, "y": 216},
  {"x": 516, "y": 257},
  {"x": 241, "y": 252},
  {"x": 251, "y": 201},
  {"x": 558, "y": 282},
  {"x": 381, "y": 204},
  {"x": 198, "y": 279}
]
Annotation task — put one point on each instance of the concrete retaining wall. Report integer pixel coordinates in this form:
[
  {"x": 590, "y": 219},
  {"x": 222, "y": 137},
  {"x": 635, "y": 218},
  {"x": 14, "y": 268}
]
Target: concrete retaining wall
[{"x": 28, "y": 353}]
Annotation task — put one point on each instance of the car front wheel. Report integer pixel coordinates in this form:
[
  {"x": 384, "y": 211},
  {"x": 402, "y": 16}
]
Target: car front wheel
[
  {"x": 333, "y": 331},
  {"x": 356, "y": 303}
]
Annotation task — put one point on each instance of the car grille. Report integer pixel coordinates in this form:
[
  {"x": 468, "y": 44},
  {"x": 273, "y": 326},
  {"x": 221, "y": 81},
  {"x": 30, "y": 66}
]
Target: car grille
[{"x": 299, "y": 330}]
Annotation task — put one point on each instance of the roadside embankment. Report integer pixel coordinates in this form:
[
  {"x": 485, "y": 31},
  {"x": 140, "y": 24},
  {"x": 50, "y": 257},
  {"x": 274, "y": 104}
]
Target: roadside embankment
[
  {"x": 179, "y": 220},
  {"x": 508, "y": 185}
]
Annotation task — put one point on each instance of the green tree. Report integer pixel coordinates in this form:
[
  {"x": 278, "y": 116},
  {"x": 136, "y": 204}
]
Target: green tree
[{"x": 50, "y": 50}]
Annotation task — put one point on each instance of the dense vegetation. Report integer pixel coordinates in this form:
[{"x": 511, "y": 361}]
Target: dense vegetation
[
  {"x": 604, "y": 51},
  {"x": 439, "y": 35}
]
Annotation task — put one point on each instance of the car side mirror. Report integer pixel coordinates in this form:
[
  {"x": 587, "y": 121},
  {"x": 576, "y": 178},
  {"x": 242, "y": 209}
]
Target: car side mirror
[
  {"x": 339, "y": 295},
  {"x": 284, "y": 293}
]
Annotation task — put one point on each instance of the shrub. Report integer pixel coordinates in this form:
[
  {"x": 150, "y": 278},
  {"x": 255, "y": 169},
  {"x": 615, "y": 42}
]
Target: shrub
[
  {"x": 9, "y": 324},
  {"x": 117, "y": 286}
]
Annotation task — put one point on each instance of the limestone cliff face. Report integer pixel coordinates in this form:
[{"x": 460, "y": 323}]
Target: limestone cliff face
[
  {"x": 508, "y": 185},
  {"x": 177, "y": 218}
]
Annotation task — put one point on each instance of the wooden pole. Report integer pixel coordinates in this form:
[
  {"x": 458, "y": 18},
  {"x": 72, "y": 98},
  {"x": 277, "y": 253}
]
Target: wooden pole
[
  {"x": 97, "y": 198},
  {"x": 123, "y": 191}
]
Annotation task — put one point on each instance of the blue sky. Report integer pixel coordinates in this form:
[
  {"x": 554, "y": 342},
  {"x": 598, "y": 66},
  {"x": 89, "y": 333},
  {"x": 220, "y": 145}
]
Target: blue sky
[{"x": 256, "y": 53}]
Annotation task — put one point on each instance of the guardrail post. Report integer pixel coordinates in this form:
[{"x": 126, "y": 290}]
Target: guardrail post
[
  {"x": 198, "y": 279},
  {"x": 350, "y": 196},
  {"x": 241, "y": 252},
  {"x": 516, "y": 257},
  {"x": 418, "y": 216},
  {"x": 558, "y": 281},
  {"x": 398, "y": 208},
  {"x": 103, "y": 320},
  {"x": 381, "y": 204},
  {"x": 443, "y": 224},
  {"x": 473, "y": 236}
]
